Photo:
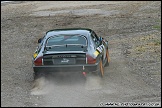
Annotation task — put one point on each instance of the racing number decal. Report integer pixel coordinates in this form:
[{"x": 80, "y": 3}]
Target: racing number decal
[{"x": 99, "y": 50}]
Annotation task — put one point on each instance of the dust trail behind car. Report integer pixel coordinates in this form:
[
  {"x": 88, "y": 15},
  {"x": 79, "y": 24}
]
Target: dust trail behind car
[
  {"x": 73, "y": 88},
  {"x": 46, "y": 85}
]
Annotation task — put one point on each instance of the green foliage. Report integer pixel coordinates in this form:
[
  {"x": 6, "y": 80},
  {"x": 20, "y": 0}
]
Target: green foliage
[
  {"x": 157, "y": 26},
  {"x": 157, "y": 42}
]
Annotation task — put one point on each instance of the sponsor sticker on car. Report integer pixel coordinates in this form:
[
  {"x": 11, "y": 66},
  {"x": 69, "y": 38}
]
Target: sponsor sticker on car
[
  {"x": 96, "y": 53},
  {"x": 35, "y": 55}
]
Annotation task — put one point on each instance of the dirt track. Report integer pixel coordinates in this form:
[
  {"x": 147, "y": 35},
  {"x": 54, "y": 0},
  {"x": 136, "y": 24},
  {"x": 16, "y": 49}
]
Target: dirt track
[{"x": 133, "y": 31}]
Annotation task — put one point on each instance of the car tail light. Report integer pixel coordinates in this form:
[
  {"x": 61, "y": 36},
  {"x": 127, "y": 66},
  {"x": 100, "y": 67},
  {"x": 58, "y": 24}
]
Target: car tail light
[
  {"x": 38, "y": 61},
  {"x": 90, "y": 60}
]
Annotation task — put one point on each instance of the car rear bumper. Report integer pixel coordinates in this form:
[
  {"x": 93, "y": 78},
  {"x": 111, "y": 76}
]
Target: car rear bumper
[{"x": 67, "y": 68}]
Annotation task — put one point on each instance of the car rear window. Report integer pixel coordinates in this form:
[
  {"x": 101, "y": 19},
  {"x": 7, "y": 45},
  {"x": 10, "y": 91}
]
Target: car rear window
[{"x": 66, "y": 42}]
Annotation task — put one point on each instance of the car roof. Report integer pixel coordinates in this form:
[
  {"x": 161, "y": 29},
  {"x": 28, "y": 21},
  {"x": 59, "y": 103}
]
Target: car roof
[
  {"x": 82, "y": 31},
  {"x": 67, "y": 29}
]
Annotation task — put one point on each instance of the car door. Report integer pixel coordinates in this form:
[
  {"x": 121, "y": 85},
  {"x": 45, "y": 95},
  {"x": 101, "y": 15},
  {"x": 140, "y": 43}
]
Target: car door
[{"x": 99, "y": 44}]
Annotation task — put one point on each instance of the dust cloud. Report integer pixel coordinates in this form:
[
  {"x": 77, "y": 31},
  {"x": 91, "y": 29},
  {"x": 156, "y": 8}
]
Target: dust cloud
[{"x": 67, "y": 88}]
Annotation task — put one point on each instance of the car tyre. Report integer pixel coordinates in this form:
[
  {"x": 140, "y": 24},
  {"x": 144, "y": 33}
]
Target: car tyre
[
  {"x": 101, "y": 69},
  {"x": 107, "y": 57}
]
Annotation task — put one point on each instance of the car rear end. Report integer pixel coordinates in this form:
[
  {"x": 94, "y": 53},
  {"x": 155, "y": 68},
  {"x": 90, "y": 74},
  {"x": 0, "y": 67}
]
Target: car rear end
[
  {"x": 66, "y": 53},
  {"x": 66, "y": 62}
]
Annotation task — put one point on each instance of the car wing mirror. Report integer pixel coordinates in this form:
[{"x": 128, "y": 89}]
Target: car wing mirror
[
  {"x": 40, "y": 40},
  {"x": 100, "y": 38}
]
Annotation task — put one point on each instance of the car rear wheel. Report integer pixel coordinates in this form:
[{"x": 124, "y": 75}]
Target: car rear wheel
[
  {"x": 101, "y": 69},
  {"x": 107, "y": 57}
]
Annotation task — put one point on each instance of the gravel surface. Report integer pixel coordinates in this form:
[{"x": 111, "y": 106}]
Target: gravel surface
[{"x": 133, "y": 77}]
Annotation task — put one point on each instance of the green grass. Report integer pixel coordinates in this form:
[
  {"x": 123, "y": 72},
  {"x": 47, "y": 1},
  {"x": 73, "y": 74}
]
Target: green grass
[
  {"x": 157, "y": 42},
  {"x": 157, "y": 26}
]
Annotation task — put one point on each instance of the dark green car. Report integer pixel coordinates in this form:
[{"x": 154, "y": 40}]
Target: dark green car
[{"x": 71, "y": 50}]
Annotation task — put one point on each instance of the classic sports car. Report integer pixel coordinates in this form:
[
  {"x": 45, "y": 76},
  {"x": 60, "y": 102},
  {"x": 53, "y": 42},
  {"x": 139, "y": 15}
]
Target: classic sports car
[{"x": 71, "y": 50}]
